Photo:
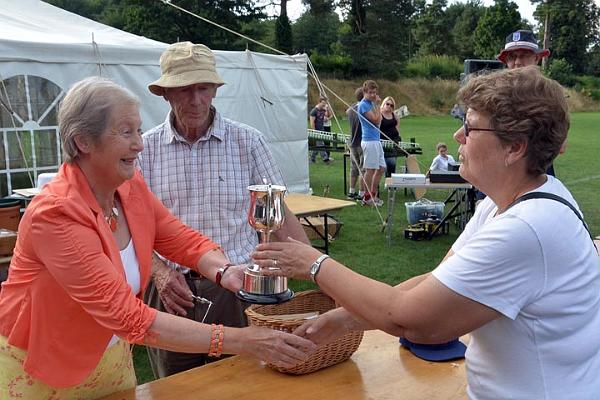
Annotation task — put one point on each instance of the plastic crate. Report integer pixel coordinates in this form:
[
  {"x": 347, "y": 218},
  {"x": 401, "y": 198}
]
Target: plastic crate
[{"x": 423, "y": 209}]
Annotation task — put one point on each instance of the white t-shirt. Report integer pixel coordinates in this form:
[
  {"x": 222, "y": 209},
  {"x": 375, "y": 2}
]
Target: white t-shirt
[
  {"x": 536, "y": 265},
  {"x": 132, "y": 273},
  {"x": 440, "y": 163}
]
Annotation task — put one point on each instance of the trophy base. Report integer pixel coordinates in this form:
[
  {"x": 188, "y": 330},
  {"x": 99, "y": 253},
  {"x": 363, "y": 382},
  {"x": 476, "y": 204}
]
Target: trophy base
[{"x": 274, "y": 298}]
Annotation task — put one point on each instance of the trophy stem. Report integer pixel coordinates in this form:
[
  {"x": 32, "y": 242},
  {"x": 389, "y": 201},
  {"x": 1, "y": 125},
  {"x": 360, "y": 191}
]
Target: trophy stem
[{"x": 265, "y": 237}]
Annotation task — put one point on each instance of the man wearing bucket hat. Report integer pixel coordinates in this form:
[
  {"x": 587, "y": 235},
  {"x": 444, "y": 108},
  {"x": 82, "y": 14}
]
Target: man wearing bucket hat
[
  {"x": 521, "y": 50},
  {"x": 200, "y": 164}
]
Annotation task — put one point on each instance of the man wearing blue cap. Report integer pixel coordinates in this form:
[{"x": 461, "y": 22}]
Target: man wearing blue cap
[{"x": 521, "y": 50}]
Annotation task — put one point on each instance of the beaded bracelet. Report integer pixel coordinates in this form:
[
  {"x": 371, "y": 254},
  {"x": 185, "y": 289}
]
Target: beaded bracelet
[{"x": 216, "y": 340}]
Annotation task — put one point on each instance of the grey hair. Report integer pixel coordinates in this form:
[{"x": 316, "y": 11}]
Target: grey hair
[{"x": 86, "y": 110}]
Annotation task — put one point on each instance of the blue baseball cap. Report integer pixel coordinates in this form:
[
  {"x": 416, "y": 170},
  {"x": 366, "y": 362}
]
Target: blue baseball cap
[
  {"x": 452, "y": 350},
  {"x": 522, "y": 39}
]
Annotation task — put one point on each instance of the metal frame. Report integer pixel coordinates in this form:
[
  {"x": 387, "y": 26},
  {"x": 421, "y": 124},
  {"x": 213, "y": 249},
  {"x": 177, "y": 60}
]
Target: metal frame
[{"x": 30, "y": 126}]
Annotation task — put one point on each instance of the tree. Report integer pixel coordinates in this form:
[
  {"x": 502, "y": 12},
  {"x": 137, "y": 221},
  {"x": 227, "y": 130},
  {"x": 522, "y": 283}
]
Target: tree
[
  {"x": 320, "y": 7},
  {"x": 283, "y": 34},
  {"x": 463, "y": 32},
  {"x": 353, "y": 35},
  {"x": 593, "y": 61},
  {"x": 392, "y": 23},
  {"x": 572, "y": 28},
  {"x": 159, "y": 21},
  {"x": 431, "y": 30},
  {"x": 312, "y": 33},
  {"x": 377, "y": 35},
  {"x": 560, "y": 70},
  {"x": 86, "y": 8},
  {"x": 496, "y": 23},
  {"x": 283, "y": 30}
]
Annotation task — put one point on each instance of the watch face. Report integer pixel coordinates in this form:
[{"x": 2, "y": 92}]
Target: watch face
[{"x": 313, "y": 270}]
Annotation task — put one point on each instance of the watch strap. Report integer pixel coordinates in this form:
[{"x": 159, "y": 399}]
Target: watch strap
[
  {"x": 221, "y": 272},
  {"x": 316, "y": 267}
]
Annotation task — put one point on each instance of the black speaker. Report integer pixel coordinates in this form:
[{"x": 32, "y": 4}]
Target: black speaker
[
  {"x": 472, "y": 66},
  {"x": 478, "y": 67}
]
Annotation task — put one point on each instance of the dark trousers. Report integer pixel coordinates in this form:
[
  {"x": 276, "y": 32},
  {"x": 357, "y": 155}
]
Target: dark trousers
[{"x": 227, "y": 309}]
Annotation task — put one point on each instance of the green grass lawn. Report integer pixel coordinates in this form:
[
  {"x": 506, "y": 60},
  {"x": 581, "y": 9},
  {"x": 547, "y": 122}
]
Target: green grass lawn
[{"x": 362, "y": 246}]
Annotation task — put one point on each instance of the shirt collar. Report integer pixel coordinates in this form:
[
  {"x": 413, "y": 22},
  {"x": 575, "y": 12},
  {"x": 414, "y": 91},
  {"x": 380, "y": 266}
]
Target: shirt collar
[{"x": 215, "y": 129}]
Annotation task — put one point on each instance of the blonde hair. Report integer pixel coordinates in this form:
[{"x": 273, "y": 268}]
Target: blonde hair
[{"x": 386, "y": 100}]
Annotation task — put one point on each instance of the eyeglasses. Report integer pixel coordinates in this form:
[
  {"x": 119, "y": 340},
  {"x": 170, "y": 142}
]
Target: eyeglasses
[
  {"x": 468, "y": 129},
  {"x": 389, "y": 104}
]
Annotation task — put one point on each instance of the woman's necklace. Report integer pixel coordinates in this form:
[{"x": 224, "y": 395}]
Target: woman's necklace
[{"x": 113, "y": 218}]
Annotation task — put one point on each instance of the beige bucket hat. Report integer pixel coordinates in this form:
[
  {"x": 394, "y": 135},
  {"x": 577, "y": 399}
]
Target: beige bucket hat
[{"x": 184, "y": 64}]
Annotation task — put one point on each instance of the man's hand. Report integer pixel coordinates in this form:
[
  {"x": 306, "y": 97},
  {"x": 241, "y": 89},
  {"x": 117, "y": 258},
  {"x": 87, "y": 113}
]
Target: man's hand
[
  {"x": 172, "y": 288},
  {"x": 233, "y": 278}
]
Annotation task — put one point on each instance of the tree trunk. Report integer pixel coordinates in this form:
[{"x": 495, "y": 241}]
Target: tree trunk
[
  {"x": 546, "y": 41},
  {"x": 283, "y": 9}
]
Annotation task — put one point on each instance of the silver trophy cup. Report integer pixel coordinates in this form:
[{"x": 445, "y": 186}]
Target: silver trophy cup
[{"x": 266, "y": 215}]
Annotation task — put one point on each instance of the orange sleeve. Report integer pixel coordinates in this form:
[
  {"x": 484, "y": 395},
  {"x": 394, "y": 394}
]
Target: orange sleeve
[{"x": 66, "y": 240}]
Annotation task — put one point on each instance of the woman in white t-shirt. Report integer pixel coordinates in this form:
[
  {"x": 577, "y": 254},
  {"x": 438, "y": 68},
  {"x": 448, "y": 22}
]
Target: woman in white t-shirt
[{"x": 527, "y": 291}]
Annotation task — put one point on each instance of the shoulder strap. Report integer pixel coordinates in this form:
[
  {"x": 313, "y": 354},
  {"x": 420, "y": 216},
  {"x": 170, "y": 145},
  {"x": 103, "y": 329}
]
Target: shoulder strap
[{"x": 551, "y": 196}]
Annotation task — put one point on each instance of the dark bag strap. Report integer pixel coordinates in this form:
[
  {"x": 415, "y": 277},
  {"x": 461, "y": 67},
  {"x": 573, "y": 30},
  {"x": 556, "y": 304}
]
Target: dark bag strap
[{"x": 551, "y": 196}]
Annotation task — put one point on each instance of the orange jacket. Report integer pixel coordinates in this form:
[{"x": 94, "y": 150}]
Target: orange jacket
[{"x": 66, "y": 293}]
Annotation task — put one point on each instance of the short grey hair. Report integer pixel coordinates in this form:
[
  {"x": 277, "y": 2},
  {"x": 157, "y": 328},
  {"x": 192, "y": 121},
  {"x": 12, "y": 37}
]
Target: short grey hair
[{"x": 86, "y": 110}]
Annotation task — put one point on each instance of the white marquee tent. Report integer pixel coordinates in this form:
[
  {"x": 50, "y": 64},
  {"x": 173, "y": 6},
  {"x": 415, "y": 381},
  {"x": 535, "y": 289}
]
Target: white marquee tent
[{"x": 44, "y": 50}]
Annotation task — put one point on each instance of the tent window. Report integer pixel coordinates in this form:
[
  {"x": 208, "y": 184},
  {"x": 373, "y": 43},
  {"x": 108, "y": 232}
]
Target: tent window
[{"x": 29, "y": 141}]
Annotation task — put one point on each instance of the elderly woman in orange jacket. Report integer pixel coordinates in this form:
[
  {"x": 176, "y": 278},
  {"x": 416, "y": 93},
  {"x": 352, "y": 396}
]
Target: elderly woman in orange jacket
[{"x": 73, "y": 298}]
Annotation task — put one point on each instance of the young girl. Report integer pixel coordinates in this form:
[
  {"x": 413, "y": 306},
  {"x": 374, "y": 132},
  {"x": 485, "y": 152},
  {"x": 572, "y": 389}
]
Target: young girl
[{"x": 440, "y": 162}]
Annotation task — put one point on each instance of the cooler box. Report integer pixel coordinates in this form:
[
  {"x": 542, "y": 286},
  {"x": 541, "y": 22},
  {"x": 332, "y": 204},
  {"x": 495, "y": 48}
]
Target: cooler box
[{"x": 423, "y": 209}]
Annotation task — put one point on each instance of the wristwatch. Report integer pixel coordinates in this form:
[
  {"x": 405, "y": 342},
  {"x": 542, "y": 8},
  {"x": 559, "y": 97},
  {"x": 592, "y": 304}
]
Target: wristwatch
[
  {"x": 316, "y": 266},
  {"x": 220, "y": 273}
]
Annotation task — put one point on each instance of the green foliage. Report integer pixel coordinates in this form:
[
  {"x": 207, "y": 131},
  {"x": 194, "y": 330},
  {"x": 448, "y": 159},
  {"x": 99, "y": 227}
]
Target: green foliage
[
  {"x": 466, "y": 17},
  {"x": 560, "y": 70},
  {"x": 445, "y": 67},
  {"x": 590, "y": 82},
  {"x": 283, "y": 34},
  {"x": 359, "y": 48},
  {"x": 316, "y": 34},
  {"x": 592, "y": 66},
  {"x": 158, "y": 21},
  {"x": 588, "y": 86},
  {"x": 87, "y": 8},
  {"x": 431, "y": 30},
  {"x": 573, "y": 29},
  {"x": 496, "y": 23},
  {"x": 339, "y": 66},
  {"x": 377, "y": 36},
  {"x": 320, "y": 7}
]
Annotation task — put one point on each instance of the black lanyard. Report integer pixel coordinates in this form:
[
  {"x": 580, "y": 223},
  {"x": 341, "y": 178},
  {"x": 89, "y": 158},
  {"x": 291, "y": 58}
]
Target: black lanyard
[{"x": 551, "y": 196}]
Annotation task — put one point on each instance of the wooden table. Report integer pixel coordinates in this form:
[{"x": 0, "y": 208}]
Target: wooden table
[
  {"x": 305, "y": 205},
  {"x": 380, "y": 369}
]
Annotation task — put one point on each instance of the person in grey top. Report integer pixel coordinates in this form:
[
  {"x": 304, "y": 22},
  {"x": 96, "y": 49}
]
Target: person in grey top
[{"x": 356, "y": 153}]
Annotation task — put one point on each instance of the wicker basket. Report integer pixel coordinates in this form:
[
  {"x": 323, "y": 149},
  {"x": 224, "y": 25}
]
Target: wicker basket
[{"x": 312, "y": 300}]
